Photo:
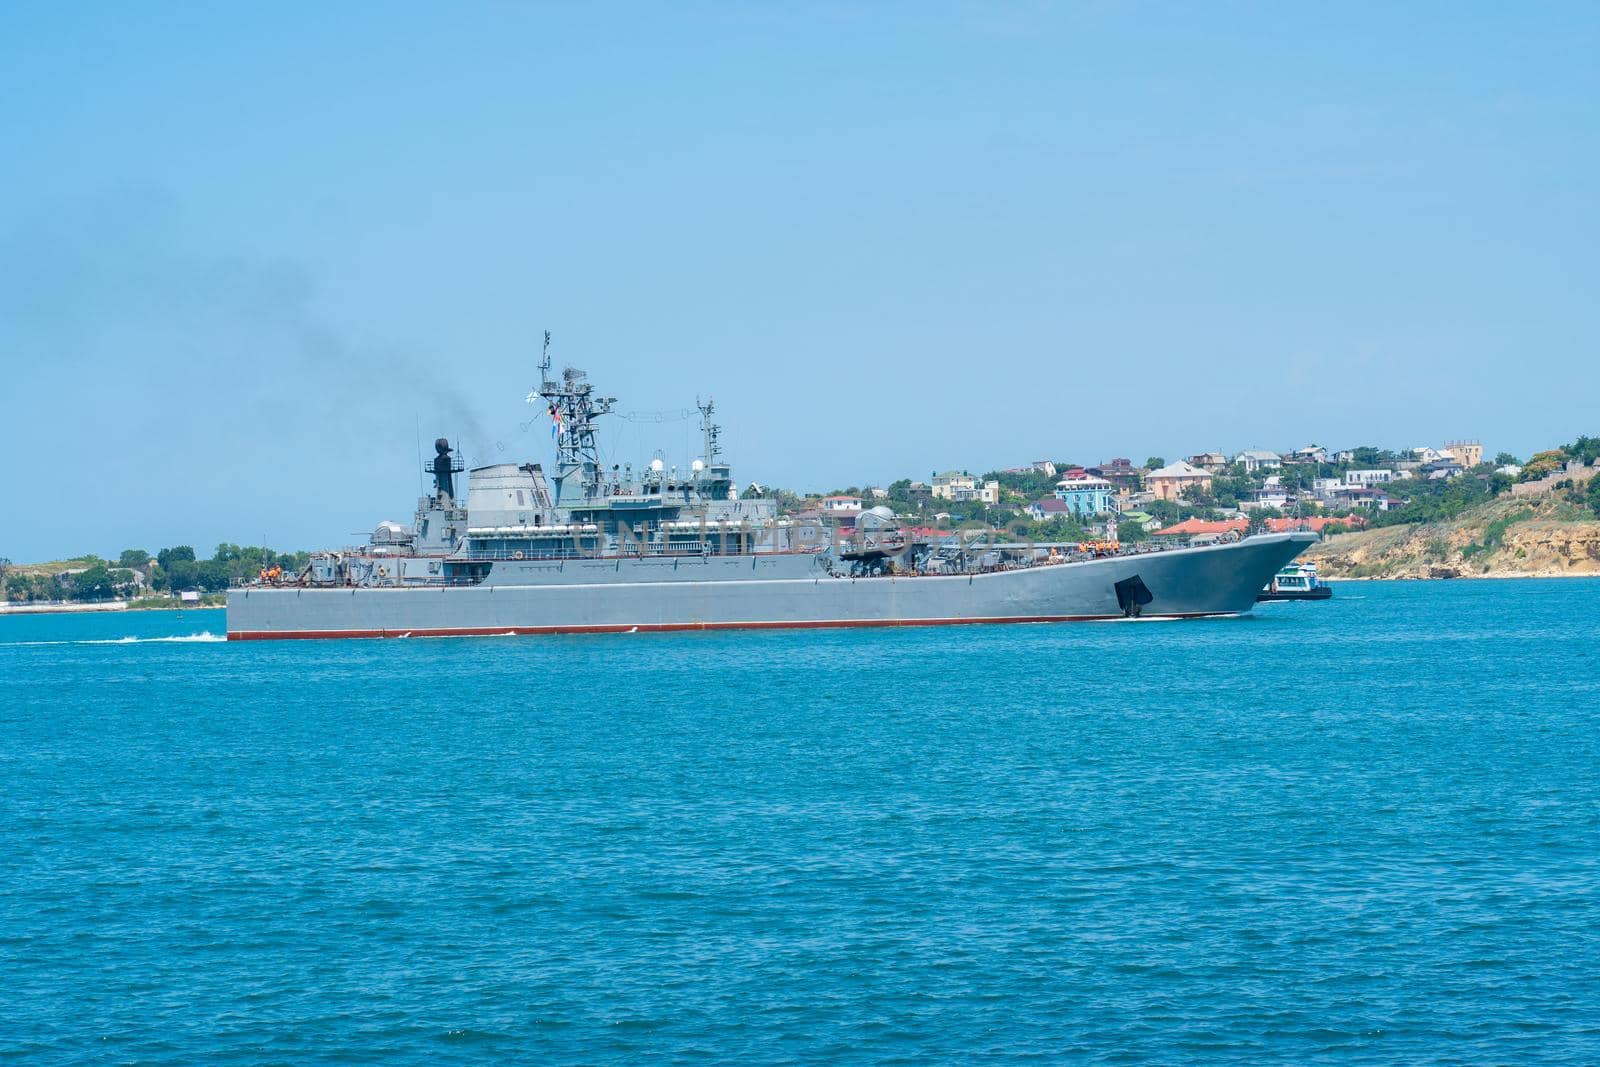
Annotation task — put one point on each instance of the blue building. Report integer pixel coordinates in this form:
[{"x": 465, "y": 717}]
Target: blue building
[{"x": 1084, "y": 494}]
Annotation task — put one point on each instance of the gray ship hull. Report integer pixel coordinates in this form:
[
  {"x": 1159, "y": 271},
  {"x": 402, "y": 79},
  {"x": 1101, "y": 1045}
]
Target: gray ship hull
[{"x": 755, "y": 592}]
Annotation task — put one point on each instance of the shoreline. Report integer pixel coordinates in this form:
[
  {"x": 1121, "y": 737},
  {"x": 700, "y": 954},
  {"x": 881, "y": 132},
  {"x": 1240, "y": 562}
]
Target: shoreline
[
  {"x": 98, "y": 607},
  {"x": 1502, "y": 577}
]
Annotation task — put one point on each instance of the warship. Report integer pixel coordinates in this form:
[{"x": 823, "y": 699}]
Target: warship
[{"x": 592, "y": 549}]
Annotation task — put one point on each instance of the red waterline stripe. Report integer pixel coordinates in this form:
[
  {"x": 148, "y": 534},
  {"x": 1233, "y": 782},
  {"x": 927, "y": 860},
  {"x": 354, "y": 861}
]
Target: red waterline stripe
[{"x": 823, "y": 624}]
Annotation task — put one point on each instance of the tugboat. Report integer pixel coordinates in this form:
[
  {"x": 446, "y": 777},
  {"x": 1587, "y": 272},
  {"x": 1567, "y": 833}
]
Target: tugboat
[{"x": 1297, "y": 581}]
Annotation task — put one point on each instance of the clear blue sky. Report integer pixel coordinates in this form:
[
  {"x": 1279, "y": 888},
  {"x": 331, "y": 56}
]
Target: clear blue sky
[{"x": 246, "y": 249}]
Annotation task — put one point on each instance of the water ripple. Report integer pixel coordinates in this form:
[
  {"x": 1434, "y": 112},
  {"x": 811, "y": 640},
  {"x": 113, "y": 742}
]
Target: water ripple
[{"x": 1366, "y": 831}]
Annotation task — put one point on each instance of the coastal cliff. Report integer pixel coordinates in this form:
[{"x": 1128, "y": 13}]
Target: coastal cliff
[{"x": 1504, "y": 538}]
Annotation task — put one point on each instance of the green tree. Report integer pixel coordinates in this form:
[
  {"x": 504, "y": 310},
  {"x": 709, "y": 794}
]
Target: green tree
[
  {"x": 1030, "y": 485},
  {"x": 1592, "y": 496},
  {"x": 1154, "y": 462},
  {"x": 1506, "y": 459},
  {"x": 181, "y": 575},
  {"x": 1057, "y": 529},
  {"x": 1366, "y": 457},
  {"x": 1430, "y": 500},
  {"x": 1130, "y": 531},
  {"x": 213, "y": 576},
  {"x": 178, "y": 554},
  {"x": 1229, "y": 489},
  {"x": 1584, "y": 449},
  {"x": 1167, "y": 512},
  {"x": 133, "y": 557},
  {"x": 95, "y": 583},
  {"x": 19, "y": 588},
  {"x": 1298, "y": 478}
]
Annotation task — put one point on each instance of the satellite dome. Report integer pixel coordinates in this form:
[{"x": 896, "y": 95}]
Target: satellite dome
[
  {"x": 656, "y": 465},
  {"x": 697, "y": 466},
  {"x": 875, "y": 518}
]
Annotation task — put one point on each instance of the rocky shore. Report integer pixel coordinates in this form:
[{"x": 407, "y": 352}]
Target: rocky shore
[{"x": 1505, "y": 538}]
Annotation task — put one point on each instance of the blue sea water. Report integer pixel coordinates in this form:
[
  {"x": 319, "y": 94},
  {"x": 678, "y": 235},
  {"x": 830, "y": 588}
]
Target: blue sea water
[{"x": 1359, "y": 831}]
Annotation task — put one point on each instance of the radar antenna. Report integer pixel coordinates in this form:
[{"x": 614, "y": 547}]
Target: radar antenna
[
  {"x": 573, "y": 409},
  {"x": 709, "y": 430}
]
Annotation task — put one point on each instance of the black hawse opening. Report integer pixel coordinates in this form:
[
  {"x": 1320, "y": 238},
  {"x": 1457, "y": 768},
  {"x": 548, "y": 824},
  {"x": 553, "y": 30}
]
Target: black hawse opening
[{"x": 1133, "y": 595}]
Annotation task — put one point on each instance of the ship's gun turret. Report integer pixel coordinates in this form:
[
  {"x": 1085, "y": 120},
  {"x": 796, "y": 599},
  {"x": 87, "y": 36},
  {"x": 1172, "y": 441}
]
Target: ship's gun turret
[{"x": 876, "y": 539}]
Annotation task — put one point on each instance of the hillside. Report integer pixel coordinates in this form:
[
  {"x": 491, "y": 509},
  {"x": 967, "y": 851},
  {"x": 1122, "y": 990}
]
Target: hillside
[{"x": 1501, "y": 538}]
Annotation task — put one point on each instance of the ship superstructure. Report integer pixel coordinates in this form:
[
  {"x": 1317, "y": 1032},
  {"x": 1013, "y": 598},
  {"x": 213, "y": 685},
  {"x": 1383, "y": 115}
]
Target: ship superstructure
[{"x": 590, "y": 548}]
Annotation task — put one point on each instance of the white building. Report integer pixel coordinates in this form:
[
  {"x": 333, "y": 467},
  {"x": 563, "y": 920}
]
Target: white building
[
  {"x": 1258, "y": 459},
  {"x": 954, "y": 485},
  {"x": 1380, "y": 476},
  {"x": 1365, "y": 496},
  {"x": 958, "y": 486},
  {"x": 1268, "y": 496}
]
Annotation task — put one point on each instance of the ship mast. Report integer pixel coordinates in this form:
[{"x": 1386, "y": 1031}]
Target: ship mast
[
  {"x": 574, "y": 407},
  {"x": 709, "y": 431}
]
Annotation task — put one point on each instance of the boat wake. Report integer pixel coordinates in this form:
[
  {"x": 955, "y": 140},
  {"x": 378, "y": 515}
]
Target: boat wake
[{"x": 204, "y": 638}]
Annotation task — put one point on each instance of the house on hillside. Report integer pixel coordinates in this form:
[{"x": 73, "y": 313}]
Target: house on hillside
[
  {"x": 1271, "y": 495},
  {"x": 1047, "y": 508},
  {"x": 1120, "y": 472},
  {"x": 1211, "y": 461},
  {"x": 1085, "y": 494},
  {"x": 1377, "y": 476},
  {"x": 1371, "y": 498},
  {"x": 1258, "y": 459},
  {"x": 1146, "y": 522},
  {"x": 1308, "y": 454},
  {"x": 958, "y": 486},
  {"x": 954, "y": 485},
  {"x": 1170, "y": 482}
]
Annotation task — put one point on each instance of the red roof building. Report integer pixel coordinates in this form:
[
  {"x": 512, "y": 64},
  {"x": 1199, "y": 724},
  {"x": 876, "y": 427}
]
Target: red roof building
[{"x": 1195, "y": 527}]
